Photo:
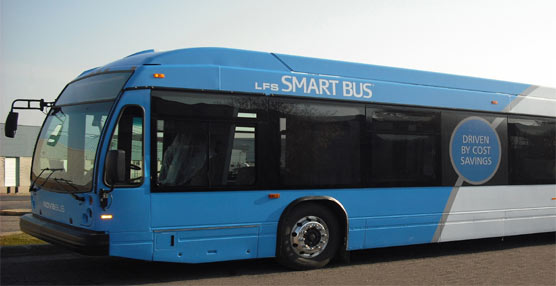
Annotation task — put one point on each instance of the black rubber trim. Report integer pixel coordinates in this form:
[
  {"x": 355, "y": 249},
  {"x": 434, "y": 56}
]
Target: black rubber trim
[{"x": 77, "y": 239}]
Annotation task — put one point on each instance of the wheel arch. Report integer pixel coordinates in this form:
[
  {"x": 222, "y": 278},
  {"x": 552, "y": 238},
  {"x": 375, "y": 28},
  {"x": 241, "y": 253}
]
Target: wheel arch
[{"x": 329, "y": 202}]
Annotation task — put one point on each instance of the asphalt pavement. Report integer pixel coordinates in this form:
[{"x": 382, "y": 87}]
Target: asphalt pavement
[{"x": 522, "y": 260}]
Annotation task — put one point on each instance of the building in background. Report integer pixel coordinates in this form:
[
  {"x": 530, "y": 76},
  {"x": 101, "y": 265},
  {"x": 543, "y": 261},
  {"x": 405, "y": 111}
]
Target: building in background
[{"x": 15, "y": 159}]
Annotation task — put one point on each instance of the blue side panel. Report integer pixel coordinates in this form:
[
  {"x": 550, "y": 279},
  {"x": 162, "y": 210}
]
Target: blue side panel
[
  {"x": 191, "y": 77},
  {"x": 212, "y": 226},
  {"x": 395, "y": 216},
  {"x": 221, "y": 57},
  {"x": 257, "y": 72},
  {"x": 205, "y": 56},
  {"x": 323, "y": 87},
  {"x": 207, "y": 245},
  {"x": 133, "y": 60},
  {"x": 267, "y": 62},
  {"x": 363, "y": 71},
  {"x": 360, "y": 90},
  {"x": 195, "y": 245},
  {"x": 136, "y": 245}
]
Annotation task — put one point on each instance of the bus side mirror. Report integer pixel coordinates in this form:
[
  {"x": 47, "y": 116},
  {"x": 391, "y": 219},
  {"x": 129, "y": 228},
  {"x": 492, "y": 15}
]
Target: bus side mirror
[
  {"x": 114, "y": 167},
  {"x": 11, "y": 124}
]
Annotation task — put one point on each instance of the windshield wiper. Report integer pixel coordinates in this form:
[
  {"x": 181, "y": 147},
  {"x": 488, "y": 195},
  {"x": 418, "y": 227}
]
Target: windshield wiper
[
  {"x": 32, "y": 188},
  {"x": 57, "y": 180},
  {"x": 70, "y": 183}
]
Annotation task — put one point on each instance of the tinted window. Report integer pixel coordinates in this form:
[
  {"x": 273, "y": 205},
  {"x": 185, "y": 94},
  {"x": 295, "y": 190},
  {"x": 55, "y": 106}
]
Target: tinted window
[
  {"x": 182, "y": 152},
  {"x": 128, "y": 136},
  {"x": 95, "y": 88},
  {"x": 404, "y": 147},
  {"x": 204, "y": 140},
  {"x": 532, "y": 150},
  {"x": 203, "y": 154},
  {"x": 204, "y": 106},
  {"x": 233, "y": 154},
  {"x": 319, "y": 143}
]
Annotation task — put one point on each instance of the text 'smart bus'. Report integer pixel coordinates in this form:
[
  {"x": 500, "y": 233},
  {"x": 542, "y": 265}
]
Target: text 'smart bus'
[{"x": 213, "y": 154}]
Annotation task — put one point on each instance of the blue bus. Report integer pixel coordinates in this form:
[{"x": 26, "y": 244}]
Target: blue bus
[{"x": 212, "y": 154}]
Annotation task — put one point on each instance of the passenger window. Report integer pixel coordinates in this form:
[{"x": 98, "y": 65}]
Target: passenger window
[
  {"x": 233, "y": 155},
  {"x": 532, "y": 150},
  {"x": 204, "y": 140},
  {"x": 320, "y": 143},
  {"x": 128, "y": 136},
  {"x": 404, "y": 147},
  {"x": 204, "y": 154},
  {"x": 182, "y": 151}
]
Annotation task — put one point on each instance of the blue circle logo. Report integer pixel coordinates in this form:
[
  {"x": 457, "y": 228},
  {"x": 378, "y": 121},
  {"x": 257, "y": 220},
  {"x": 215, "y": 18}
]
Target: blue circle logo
[{"x": 475, "y": 150}]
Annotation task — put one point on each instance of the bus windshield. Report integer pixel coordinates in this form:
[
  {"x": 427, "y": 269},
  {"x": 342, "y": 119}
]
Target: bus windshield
[{"x": 65, "y": 153}]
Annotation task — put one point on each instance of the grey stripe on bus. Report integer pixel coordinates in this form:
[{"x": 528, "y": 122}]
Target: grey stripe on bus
[
  {"x": 446, "y": 212},
  {"x": 520, "y": 97}
]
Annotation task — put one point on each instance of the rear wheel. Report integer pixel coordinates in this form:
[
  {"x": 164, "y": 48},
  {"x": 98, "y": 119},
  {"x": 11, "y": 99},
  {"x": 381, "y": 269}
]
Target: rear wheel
[{"x": 309, "y": 237}]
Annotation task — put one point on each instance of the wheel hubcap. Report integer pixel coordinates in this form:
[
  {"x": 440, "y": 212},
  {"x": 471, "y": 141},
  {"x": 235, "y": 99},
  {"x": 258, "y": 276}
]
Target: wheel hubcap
[{"x": 309, "y": 236}]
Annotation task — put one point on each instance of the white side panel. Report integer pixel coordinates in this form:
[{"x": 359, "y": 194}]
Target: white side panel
[
  {"x": 530, "y": 225},
  {"x": 541, "y": 101},
  {"x": 490, "y": 211}
]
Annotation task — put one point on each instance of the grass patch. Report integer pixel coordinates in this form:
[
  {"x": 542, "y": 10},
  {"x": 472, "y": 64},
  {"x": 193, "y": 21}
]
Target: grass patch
[{"x": 19, "y": 239}]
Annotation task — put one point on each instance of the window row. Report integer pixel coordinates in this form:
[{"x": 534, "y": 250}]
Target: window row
[{"x": 212, "y": 141}]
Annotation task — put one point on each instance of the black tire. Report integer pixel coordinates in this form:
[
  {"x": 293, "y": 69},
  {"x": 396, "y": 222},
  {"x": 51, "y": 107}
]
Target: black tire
[{"x": 315, "y": 223}]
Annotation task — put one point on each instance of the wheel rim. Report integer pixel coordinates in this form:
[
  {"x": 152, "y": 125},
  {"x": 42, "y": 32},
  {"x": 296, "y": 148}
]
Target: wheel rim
[{"x": 309, "y": 236}]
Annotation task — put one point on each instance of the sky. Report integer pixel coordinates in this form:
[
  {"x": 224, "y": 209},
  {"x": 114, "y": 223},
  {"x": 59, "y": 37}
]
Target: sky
[{"x": 44, "y": 44}]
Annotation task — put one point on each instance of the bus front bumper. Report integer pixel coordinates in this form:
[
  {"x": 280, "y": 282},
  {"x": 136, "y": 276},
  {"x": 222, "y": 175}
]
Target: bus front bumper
[{"x": 77, "y": 239}]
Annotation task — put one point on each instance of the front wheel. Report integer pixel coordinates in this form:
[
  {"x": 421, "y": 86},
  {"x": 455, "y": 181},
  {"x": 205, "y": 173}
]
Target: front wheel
[{"x": 309, "y": 237}]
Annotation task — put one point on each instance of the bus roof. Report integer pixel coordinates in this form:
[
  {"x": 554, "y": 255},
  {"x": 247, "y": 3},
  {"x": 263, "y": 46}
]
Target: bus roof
[{"x": 273, "y": 62}]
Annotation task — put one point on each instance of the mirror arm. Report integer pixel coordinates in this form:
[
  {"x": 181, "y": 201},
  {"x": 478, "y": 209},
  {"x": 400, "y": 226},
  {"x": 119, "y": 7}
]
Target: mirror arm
[{"x": 42, "y": 104}]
